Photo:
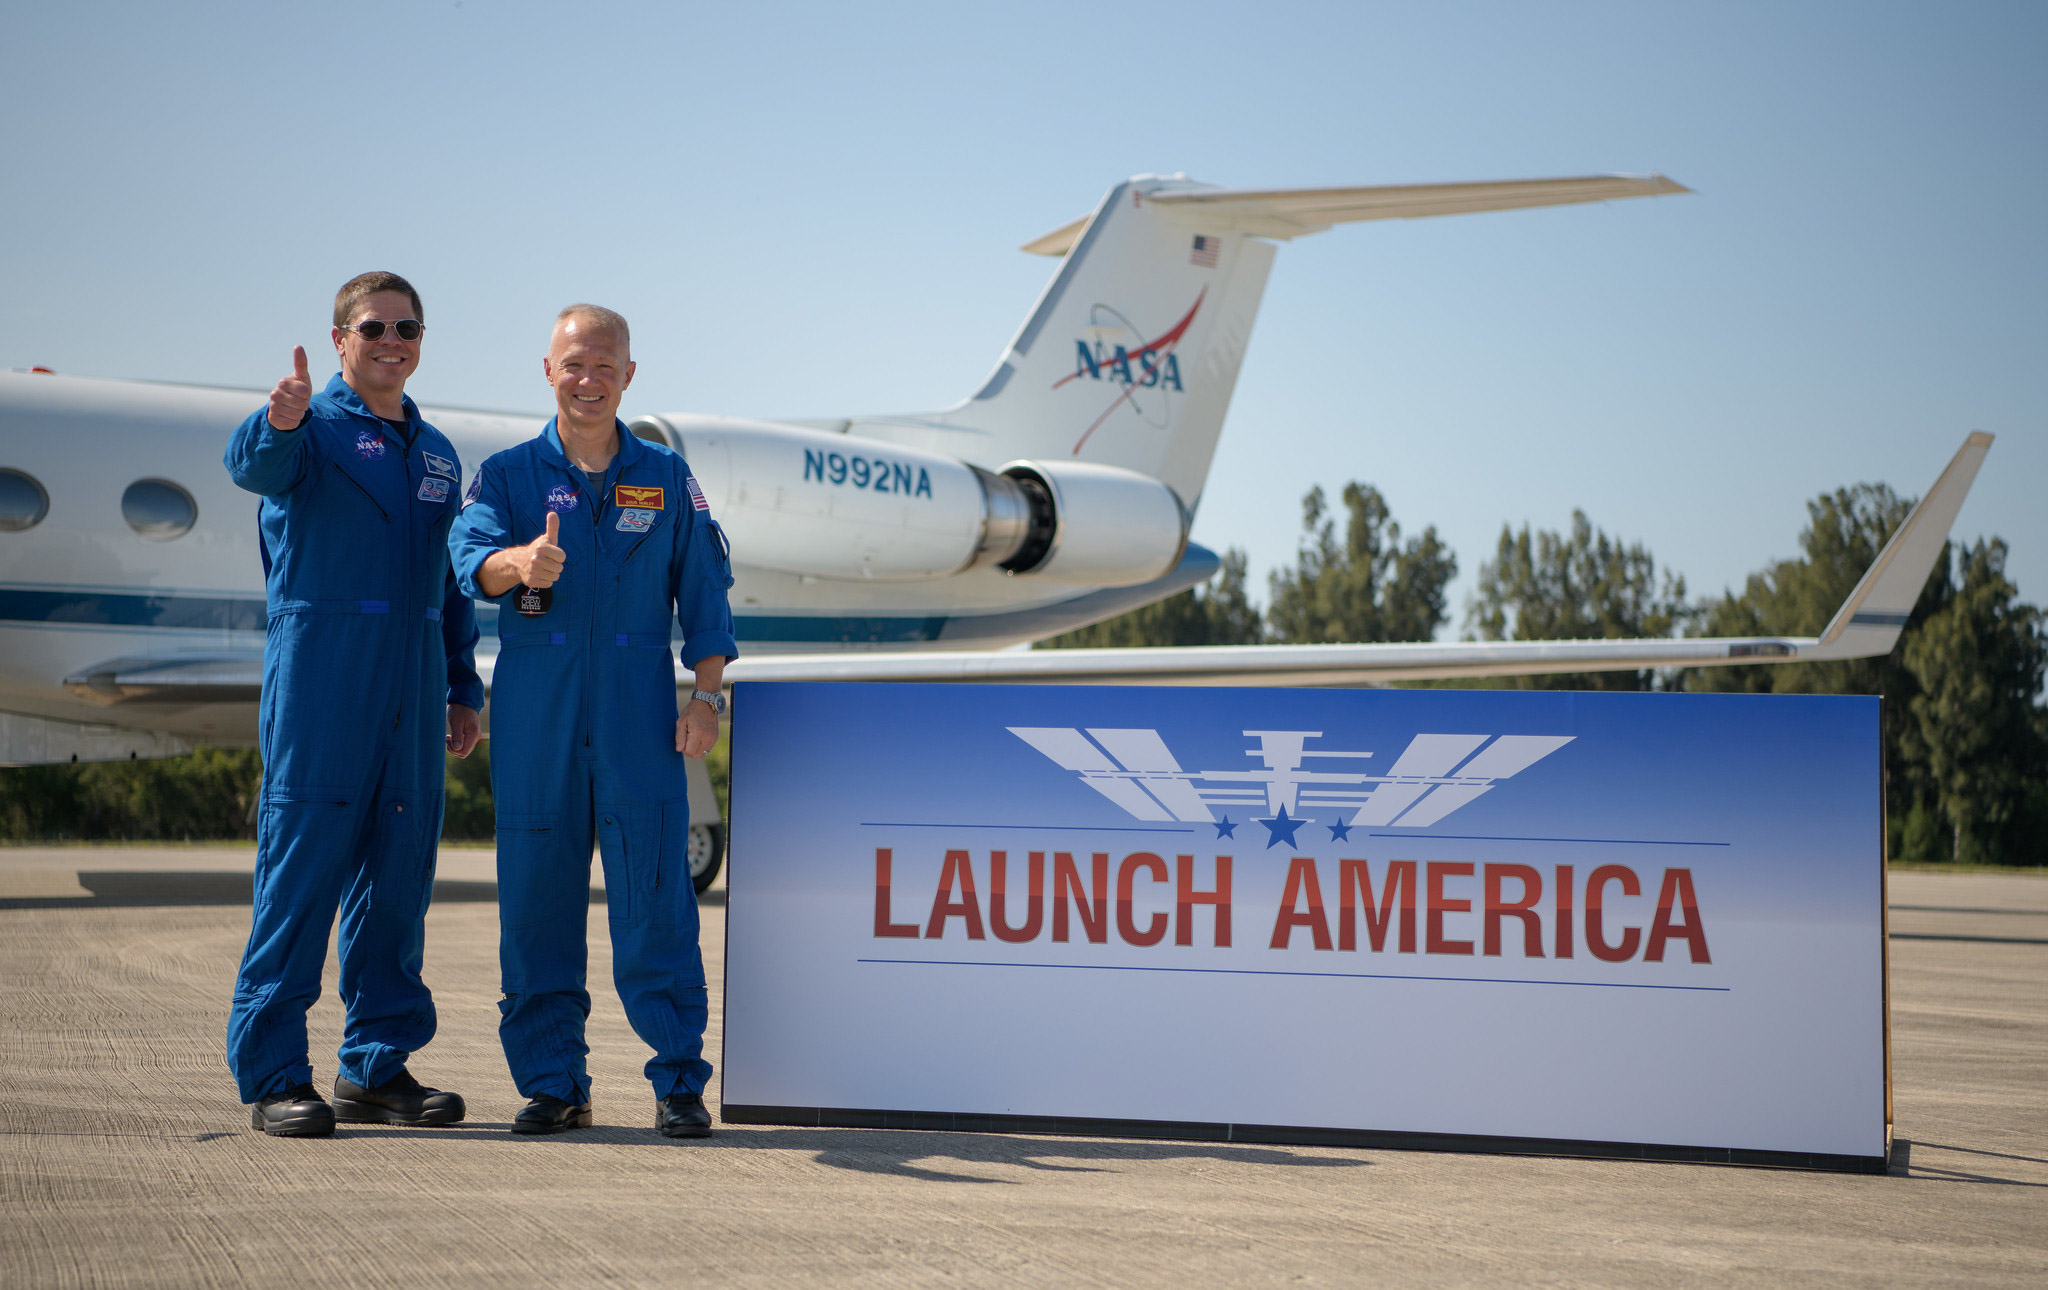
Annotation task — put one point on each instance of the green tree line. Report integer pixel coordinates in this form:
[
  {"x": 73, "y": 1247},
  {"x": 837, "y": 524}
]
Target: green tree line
[
  {"x": 1965, "y": 732},
  {"x": 207, "y": 796}
]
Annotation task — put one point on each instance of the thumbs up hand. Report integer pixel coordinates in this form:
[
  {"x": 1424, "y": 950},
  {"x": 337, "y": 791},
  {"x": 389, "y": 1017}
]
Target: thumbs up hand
[
  {"x": 288, "y": 401},
  {"x": 539, "y": 563}
]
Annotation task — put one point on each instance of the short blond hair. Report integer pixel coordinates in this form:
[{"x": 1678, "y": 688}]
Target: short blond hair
[{"x": 600, "y": 316}]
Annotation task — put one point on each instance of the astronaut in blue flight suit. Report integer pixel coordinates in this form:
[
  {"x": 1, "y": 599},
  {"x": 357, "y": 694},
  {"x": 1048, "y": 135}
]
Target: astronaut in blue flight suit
[
  {"x": 369, "y": 651},
  {"x": 586, "y": 736}
]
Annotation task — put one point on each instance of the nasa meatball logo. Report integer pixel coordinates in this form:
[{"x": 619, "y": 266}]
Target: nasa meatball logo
[
  {"x": 369, "y": 445},
  {"x": 562, "y": 498},
  {"x": 1141, "y": 370}
]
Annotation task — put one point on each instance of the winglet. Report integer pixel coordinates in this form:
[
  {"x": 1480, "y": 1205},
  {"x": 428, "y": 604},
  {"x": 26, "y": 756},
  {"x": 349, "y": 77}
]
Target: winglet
[{"x": 1870, "y": 620}]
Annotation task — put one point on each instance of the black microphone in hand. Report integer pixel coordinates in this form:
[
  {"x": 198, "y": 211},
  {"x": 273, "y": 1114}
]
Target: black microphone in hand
[{"x": 535, "y": 601}]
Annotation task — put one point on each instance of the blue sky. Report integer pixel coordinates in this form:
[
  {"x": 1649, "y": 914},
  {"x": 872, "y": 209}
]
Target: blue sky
[{"x": 813, "y": 210}]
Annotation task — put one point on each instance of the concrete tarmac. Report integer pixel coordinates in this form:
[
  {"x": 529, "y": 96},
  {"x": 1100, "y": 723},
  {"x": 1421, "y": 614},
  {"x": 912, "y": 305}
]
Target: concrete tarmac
[{"x": 125, "y": 1159}]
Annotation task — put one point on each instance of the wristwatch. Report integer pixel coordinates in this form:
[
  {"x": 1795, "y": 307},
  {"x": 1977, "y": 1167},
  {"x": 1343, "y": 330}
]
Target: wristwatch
[{"x": 716, "y": 698}]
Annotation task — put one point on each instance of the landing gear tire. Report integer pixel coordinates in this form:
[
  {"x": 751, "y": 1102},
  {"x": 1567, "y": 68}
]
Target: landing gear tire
[{"x": 707, "y": 853}]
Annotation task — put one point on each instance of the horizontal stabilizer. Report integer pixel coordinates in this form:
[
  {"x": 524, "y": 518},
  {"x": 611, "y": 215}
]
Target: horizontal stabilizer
[{"x": 1285, "y": 213}]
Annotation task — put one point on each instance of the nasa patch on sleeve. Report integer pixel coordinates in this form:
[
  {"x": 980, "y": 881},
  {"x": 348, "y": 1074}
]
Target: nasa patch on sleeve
[
  {"x": 476, "y": 487},
  {"x": 434, "y": 489}
]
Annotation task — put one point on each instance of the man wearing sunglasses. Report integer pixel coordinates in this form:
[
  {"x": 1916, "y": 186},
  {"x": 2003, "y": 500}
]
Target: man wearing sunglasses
[{"x": 368, "y": 673}]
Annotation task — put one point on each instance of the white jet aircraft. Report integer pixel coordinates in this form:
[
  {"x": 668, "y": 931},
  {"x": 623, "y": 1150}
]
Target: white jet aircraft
[{"x": 910, "y": 547}]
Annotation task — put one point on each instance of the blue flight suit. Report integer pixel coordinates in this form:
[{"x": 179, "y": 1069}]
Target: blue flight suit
[
  {"x": 583, "y": 719},
  {"x": 369, "y": 640}
]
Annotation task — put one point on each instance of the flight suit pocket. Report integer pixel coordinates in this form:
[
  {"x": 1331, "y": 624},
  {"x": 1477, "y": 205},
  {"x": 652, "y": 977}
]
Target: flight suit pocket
[
  {"x": 722, "y": 559},
  {"x": 630, "y": 840},
  {"x": 303, "y": 838},
  {"x": 405, "y": 867},
  {"x": 526, "y": 852}
]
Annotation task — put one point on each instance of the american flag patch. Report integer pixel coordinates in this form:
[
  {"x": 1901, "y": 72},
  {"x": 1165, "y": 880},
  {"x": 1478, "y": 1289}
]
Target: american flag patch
[
  {"x": 1205, "y": 251},
  {"x": 696, "y": 493}
]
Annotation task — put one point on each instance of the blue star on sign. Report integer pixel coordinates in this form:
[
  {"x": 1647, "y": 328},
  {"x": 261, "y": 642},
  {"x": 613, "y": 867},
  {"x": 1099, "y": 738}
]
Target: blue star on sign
[
  {"x": 1281, "y": 829},
  {"x": 1224, "y": 828},
  {"x": 1340, "y": 832}
]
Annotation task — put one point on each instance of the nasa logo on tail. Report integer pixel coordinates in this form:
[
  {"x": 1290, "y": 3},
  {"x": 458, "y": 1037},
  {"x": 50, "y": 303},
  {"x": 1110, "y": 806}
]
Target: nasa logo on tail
[{"x": 1146, "y": 372}]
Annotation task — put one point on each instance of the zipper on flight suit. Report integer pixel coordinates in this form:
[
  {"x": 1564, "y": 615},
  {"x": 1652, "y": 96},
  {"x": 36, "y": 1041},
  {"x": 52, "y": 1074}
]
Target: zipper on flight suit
[
  {"x": 579, "y": 481},
  {"x": 405, "y": 602}
]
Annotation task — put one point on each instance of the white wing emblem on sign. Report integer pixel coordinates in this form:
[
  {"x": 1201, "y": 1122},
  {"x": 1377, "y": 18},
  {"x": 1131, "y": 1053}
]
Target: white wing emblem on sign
[{"x": 1136, "y": 770}]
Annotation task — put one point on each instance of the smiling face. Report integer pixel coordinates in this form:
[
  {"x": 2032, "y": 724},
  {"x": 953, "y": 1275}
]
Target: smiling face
[
  {"x": 590, "y": 367},
  {"x": 377, "y": 369}
]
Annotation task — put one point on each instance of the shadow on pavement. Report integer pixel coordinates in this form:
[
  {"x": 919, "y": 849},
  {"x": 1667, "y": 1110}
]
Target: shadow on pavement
[
  {"x": 890, "y": 1152},
  {"x": 893, "y": 1151}
]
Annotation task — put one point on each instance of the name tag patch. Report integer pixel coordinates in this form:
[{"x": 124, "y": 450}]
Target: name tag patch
[
  {"x": 634, "y": 495},
  {"x": 637, "y": 519},
  {"x": 439, "y": 465},
  {"x": 433, "y": 489}
]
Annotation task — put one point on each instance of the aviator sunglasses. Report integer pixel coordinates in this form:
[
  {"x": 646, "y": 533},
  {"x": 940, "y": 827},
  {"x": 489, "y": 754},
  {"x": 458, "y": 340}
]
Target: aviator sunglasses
[{"x": 373, "y": 329}]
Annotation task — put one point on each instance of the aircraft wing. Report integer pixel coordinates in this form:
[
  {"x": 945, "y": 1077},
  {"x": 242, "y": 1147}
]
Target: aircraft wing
[
  {"x": 1867, "y": 624},
  {"x": 221, "y": 676}
]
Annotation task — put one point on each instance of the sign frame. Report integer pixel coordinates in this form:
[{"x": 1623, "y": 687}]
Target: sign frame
[{"x": 751, "y": 845}]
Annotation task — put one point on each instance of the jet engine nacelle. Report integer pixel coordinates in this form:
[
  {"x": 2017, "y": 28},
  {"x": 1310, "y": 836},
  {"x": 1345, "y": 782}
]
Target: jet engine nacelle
[
  {"x": 1101, "y": 525},
  {"x": 811, "y": 502}
]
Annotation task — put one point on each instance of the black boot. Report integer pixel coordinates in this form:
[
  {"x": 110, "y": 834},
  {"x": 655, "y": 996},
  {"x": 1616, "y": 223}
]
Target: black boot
[
  {"x": 546, "y": 1114},
  {"x": 398, "y": 1100},
  {"x": 682, "y": 1115},
  {"x": 298, "y": 1112}
]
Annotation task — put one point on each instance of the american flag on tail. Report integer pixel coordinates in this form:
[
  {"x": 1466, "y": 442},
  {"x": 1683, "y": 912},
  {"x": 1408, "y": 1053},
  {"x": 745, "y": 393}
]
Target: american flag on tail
[{"x": 1205, "y": 251}]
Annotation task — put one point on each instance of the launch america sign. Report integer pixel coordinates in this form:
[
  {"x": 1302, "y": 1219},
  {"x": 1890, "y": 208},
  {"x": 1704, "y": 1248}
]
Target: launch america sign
[{"x": 1610, "y": 923}]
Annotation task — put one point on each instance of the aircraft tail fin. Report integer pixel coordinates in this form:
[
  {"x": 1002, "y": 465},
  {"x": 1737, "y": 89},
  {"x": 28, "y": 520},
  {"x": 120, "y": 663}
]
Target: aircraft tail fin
[{"x": 1131, "y": 354}]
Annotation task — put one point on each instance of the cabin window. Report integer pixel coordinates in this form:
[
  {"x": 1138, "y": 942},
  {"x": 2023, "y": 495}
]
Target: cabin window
[
  {"x": 23, "y": 503},
  {"x": 158, "y": 509}
]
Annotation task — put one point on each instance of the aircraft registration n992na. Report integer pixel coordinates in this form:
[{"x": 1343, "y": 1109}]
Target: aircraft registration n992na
[{"x": 910, "y": 547}]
